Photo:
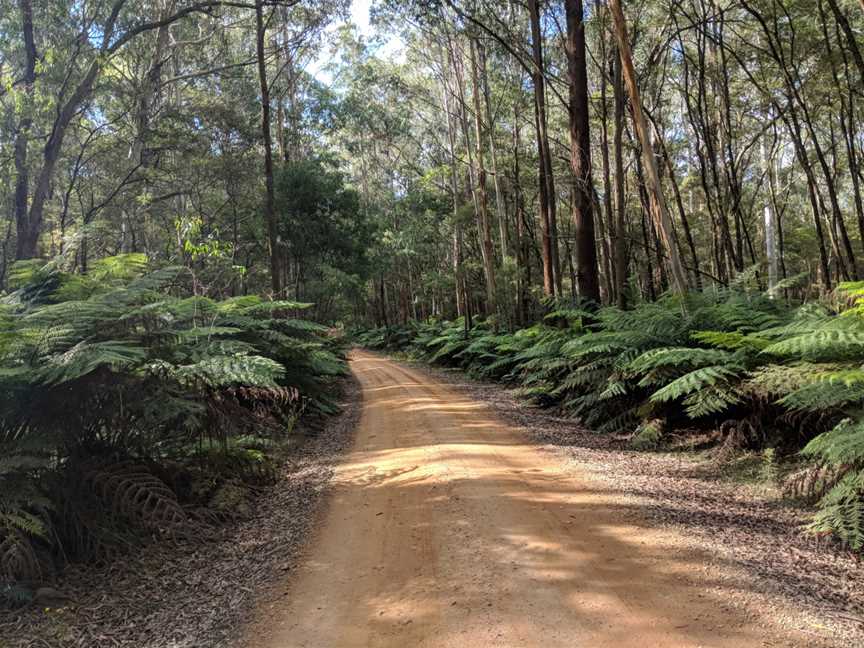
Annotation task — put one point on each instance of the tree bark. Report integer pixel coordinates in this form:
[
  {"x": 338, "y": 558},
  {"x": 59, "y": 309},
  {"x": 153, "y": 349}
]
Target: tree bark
[
  {"x": 679, "y": 202},
  {"x": 587, "y": 277},
  {"x": 500, "y": 204},
  {"x": 269, "y": 199},
  {"x": 551, "y": 272},
  {"x": 523, "y": 260},
  {"x": 487, "y": 250},
  {"x": 659, "y": 209},
  {"x": 845, "y": 27},
  {"x": 26, "y": 238},
  {"x": 454, "y": 187},
  {"x": 769, "y": 220},
  {"x": 620, "y": 206}
]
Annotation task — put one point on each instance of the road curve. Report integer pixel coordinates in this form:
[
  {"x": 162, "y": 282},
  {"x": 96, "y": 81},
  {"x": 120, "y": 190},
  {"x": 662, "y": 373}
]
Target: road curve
[{"x": 447, "y": 528}]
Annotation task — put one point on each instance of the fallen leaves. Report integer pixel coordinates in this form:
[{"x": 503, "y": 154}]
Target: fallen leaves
[{"x": 197, "y": 592}]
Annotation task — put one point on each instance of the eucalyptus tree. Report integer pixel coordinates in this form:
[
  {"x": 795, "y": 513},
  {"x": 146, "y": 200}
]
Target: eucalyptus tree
[
  {"x": 129, "y": 126},
  {"x": 722, "y": 135}
]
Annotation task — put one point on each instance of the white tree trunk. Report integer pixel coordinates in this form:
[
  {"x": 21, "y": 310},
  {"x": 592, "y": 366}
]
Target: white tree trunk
[{"x": 770, "y": 222}]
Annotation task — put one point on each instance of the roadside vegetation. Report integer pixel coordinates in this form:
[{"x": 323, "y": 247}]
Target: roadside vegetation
[
  {"x": 131, "y": 412},
  {"x": 732, "y": 369}
]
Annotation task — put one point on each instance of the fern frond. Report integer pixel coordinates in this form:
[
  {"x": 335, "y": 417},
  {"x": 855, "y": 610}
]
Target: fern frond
[
  {"x": 824, "y": 345},
  {"x": 679, "y": 358},
  {"x": 694, "y": 380},
  {"x": 841, "y": 511},
  {"x": 730, "y": 340}
]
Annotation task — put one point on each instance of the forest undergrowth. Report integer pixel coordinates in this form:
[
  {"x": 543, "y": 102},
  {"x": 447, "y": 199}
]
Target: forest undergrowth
[
  {"x": 734, "y": 371},
  {"x": 131, "y": 412}
]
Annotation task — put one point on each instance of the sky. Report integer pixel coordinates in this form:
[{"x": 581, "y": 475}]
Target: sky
[{"x": 360, "y": 17}]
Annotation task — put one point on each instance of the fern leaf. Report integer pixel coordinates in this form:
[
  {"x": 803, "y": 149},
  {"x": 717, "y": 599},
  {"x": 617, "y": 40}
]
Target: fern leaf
[{"x": 694, "y": 381}]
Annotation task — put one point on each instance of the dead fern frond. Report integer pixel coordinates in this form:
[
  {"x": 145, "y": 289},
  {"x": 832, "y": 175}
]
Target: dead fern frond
[
  {"x": 132, "y": 492},
  {"x": 814, "y": 481},
  {"x": 18, "y": 559}
]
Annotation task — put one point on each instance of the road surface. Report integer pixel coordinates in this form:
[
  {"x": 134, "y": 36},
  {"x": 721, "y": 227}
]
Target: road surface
[{"x": 447, "y": 527}]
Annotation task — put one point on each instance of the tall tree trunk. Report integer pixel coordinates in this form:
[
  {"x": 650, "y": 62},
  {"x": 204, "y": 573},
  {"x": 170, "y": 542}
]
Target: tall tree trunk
[
  {"x": 620, "y": 206},
  {"x": 792, "y": 79},
  {"x": 775, "y": 205},
  {"x": 789, "y": 116},
  {"x": 454, "y": 187},
  {"x": 500, "y": 203},
  {"x": 523, "y": 260},
  {"x": 705, "y": 132},
  {"x": 587, "y": 278},
  {"x": 849, "y": 129},
  {"x": 456, "y": 65},
  {"x": 269, "y": 200},
  {"x": 551, "y": 271},
  {"x": 26, "y": 238},
  {"x": 609, "y": 265},
  {"x": 471, "y": 183},
  {"x": 679, "y": 202},
  {"x": 794, "y": 129},
  {"x": 148, "y": 97},
  {"x": 851, "y": 42},
  {"x": 487, "y": 249},
  {"x": 659, "y": 209},
  {"x": 280, "y": 131},
  {"x": 847, "y": 106},
  {"x": 150, "y": 86},
  {"x": 725, "y": 132},
  {"x": 769, "y": 219}
]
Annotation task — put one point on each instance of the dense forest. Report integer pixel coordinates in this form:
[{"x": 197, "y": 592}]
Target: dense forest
[{"x": 648, "y": 217}]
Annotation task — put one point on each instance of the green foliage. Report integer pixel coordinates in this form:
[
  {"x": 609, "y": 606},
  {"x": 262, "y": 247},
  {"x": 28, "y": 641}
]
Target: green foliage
[
  {"x": 704, "y": 391},
  {"x": 841, "y": 511},
  {"x": 325, "y": 231},
  {"x": 821, "y": 345},
  {"x": 648, "y": 435},
  {"x": 841, "y": 508},
  {"x": 113, "y": 386},
  {"x": 731, "y": 361}
]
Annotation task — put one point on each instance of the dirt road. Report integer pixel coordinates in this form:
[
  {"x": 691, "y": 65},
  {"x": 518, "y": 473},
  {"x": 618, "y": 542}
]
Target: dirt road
[{"x": 447, "y": 528}]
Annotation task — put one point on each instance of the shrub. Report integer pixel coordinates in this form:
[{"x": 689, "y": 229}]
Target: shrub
[{"x": 125, "y": 405}]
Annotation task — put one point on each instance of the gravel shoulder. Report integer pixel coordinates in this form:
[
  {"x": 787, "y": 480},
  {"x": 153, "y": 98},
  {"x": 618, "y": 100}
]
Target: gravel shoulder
[
  {"x": 200, "y": 592},
  {"x": 760, "y": 556}
]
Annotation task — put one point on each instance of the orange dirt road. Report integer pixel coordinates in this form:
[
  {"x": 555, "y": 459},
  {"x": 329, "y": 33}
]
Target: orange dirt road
[{"x": 447, "y": 527}]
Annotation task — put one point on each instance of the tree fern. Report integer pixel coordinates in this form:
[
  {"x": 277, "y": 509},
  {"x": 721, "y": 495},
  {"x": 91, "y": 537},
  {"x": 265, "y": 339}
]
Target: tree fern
[
  {"x": 731, "y": 340},
  {"x": 841, "y": 511},
  {"x": 828, "y": 390},
  {"x": 843, "y": 445},
  {"x": 679, "y": 357},
  {"x": 706, "y": 390},
  {"x": 826, "y": 344},
  {"x": 118, "y": 368}
]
